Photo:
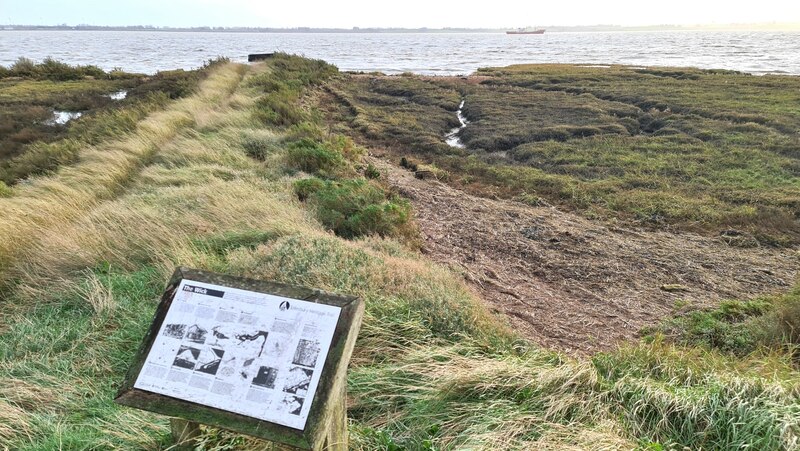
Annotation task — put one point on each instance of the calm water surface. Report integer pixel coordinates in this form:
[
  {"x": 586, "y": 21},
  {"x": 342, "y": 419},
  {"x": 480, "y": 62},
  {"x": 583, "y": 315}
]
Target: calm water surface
[{"x": 445, "y": 54}]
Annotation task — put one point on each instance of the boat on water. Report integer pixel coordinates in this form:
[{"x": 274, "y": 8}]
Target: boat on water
[{"x": 526, "y": 31}]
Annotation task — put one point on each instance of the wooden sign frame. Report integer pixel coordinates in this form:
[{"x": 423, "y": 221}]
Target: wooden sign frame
[{"x": 327, "y": 415}]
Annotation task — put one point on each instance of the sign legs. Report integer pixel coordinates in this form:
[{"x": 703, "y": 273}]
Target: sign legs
[
  {"x": 336, "y": 439},
  {"x": 184, "y": 433}
]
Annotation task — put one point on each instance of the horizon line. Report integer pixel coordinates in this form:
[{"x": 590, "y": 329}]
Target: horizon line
[{"x": 773, "y": 24}]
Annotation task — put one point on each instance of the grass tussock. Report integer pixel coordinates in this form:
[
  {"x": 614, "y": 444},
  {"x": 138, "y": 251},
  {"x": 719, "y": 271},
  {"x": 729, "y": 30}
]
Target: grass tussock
[
  {"x": 202, "y": 183},
  {"x": 353, "y": 208},
  {"x": 100, "y": 173},
  {"x": 701, "y": 399},
  {"x": 50, "y": 69},
  {"x": 283, "y": 85},
  {"x": 739, "y": 327}
]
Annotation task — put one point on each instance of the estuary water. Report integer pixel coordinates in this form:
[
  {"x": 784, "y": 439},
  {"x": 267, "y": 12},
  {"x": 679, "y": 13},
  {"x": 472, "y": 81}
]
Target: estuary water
[{"x": 425, "y": 53}]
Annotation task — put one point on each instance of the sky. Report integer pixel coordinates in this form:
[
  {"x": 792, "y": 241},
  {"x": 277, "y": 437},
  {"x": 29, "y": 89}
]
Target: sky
[{"x": 405, "y": 13}]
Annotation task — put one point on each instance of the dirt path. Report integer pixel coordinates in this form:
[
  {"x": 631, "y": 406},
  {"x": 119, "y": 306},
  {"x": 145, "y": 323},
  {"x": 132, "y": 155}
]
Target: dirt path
[{"x": 573, "y": 284}]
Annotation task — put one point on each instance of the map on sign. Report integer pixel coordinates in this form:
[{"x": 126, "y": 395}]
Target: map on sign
[{"x": 250, "y": 353}]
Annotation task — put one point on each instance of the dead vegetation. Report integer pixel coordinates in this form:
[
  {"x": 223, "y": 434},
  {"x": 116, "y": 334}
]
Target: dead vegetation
[{"x": 575, "y": 284}]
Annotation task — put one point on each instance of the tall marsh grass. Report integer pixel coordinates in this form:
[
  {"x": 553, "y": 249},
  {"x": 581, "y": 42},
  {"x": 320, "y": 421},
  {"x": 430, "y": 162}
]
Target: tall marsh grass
[
  {"x": 101, "y": 172},
  {"x": 50, "y": 69},
  {"x": 31, "y": 144}
]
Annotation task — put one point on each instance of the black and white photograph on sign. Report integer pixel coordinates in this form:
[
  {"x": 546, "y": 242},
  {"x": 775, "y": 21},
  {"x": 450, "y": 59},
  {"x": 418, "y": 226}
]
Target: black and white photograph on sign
[
  {"x": 226, "y": 371},
  {"x": 266, "y": 377},
  {"x": 297, "y": 381},
  {"x": 175, "y": 331},
  {"x": 257, "y": 337},
  {"x": 218, "y": 334},
  {"x": 196, "y": 334},
  {"x": 209, "y": 360},
  {"x": 293, "y": 404},
  {"x": 265, "y": 364},
  {"x": 306, "y": 353},
  {"x": 186, "y": 357},
  {"x": 247, "y": 369}
]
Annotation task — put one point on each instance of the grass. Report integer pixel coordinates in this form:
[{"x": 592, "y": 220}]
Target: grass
[
  {"x": 739, "y": 327},
  {"x": 358, "y": 207},
  {"x": 30, "y": 144},
  {"x": 50, "y": 69},
  {"x": 687, "y": 149},
  {"x": 94, "y": 242},
  {"x": 313, "y": 157}
]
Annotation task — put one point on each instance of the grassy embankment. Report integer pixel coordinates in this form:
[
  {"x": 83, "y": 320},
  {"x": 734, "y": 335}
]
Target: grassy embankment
[
  {"x": 713, "y": 152},
  {"x": 31, "y": 143},
  {"x": 215, "y": 181}
]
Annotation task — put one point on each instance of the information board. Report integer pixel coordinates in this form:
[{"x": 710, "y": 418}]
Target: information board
[{"x": 251, "y": 353}]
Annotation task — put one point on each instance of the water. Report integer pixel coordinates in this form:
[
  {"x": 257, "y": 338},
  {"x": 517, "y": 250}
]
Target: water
[
  {"x": 62, "y": 117},
  {"x": 452, "y": 138},
  {"x": 442, "y": 54},
  {"x": 119, "y": 95}
]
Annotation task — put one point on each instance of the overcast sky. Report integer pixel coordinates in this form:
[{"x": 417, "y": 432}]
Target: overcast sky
[{"x": 403, "y": 13}]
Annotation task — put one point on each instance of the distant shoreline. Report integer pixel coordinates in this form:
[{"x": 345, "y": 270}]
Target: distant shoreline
[
  {"x": 775, "y": 27},
  {"x": 394, "y": 53}
]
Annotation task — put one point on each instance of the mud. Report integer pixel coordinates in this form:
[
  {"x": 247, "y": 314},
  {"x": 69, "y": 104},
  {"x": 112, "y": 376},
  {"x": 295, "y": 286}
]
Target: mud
[{"x": 577, "y": 285}]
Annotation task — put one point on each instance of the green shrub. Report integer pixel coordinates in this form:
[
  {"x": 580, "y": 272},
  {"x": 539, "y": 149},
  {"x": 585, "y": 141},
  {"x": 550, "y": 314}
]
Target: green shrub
[
  {"x": 345, "y": 146},
  {"x": 119, "y": 74},
  {"x": 293, "y": 73},
  {"x": 174, "y": 83},
  {"x": 283, "y": 86},
  {"x": 307, "y": 130},
  {"x": 259, "y": 147},
  {"x": 737, "y": 327},
  {"x": 299, "y": 71},
  {"x": 39, "y": 158},
  {"x": 306, "y": 187},
  {"x": 5, "y": 191},
  {"x": 23, "y": 67},
  {"x": 279, "y": 108},
  {"x": 313, "y": 157},
  {"x": 56, "y": 70},
  {"x": 353, "y": 208},
  {"x": 371, "y": 172},
  {"x": 50, "y": 69}
]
